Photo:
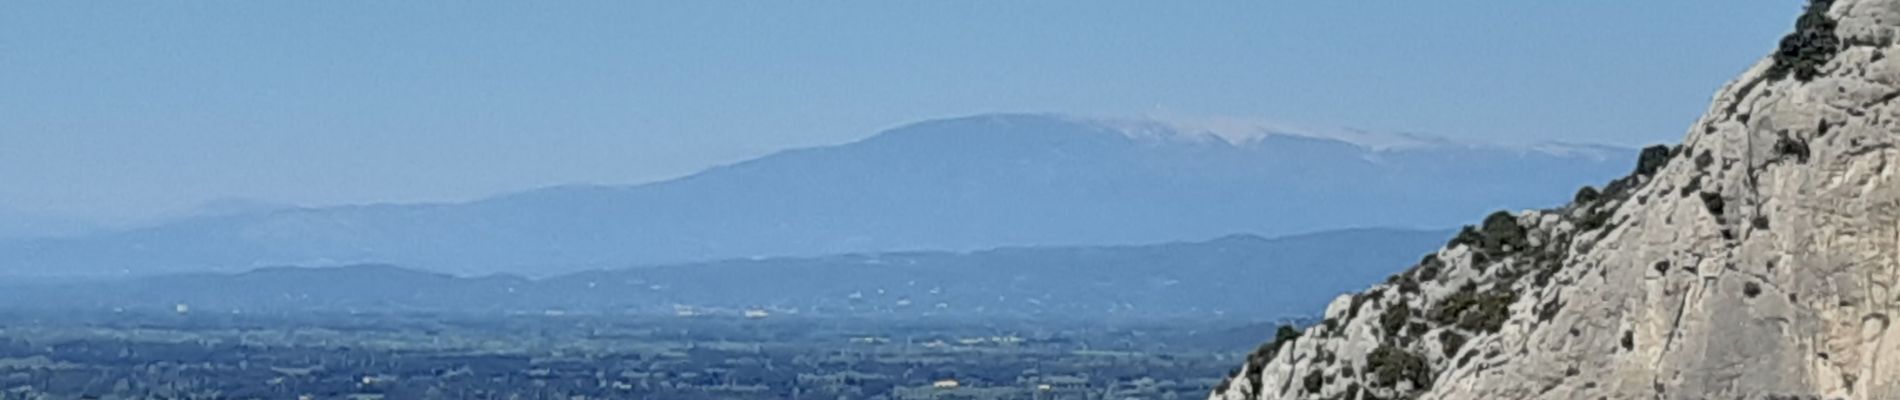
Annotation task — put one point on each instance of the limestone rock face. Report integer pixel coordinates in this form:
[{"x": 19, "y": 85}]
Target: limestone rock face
[{"x": 1757, "y": 260}]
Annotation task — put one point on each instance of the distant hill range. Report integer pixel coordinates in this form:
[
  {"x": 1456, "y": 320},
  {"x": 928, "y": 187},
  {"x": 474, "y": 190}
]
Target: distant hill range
[
  {"x": 956, "y": 184},
  {"x": 1236, "y": 277}
]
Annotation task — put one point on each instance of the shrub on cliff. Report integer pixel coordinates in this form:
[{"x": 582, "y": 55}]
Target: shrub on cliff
[{"x": 1810, "y": 46}]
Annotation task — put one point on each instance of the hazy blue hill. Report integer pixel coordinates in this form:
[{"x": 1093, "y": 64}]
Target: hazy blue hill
[
  {"x": 1237, "y": 276},
  {"x": 1276, "y": 277},
  {"x": 15, "y": 224},
  {"x": 956, "y": 184}
]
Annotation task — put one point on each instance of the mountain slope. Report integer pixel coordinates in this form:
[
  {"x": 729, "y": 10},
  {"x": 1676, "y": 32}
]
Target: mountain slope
[
  {"x": 1199, "y": 279},
  {"x": 15, "y": 224},
  {"x": 956, "y": 184},
  {"x": 1755, "y": 261}
]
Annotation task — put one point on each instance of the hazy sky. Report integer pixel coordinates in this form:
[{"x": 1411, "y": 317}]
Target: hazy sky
[{"x": 118, "y": 110}]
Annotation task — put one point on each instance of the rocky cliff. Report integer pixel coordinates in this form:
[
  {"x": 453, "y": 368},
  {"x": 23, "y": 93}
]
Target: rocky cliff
[{"x": 1757, "y": 260}]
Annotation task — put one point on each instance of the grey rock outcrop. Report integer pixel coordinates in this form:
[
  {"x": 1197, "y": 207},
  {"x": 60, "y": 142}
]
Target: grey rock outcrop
[{"x": 1757, "y": 260}]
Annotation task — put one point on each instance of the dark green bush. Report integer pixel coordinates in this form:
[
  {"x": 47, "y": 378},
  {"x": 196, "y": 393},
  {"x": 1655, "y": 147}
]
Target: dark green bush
[
  {"x": 1789, "y": 147},
  {"x": 1694, "y": 185},
  {"x": 1501, "y": 231},
  {"x": 1490, "y": 239},
  {"x": 1714, "y": 202},
  {"x": 1429, "y": 268},
  {"x": 1314, "y": 381},
  {"x": 1593, "y": 218},
  {"x": 1358, "y": 300},
  {"x": 1447, "y": 310},
  {"x": 1493, "y": 309},
  {"x": 1283, "y": 336},
  {"x": 1619, "y": 187},
  {"x": 1467, "y": 236},
  {"x": 1449, "y": 342},
  {"x": 1811, "y": 45},
  {"x": 1388, "y": 365},
  {"x": 1260, "y": 356},
  {"x": 1285, "y": 333},
  {"x": 1394, "y": 319},
  {"x": 1548, "y": 263},
  {"x": 1227, "y": 382},
  {"x": 1406, "y": 284},
  {"x": 1586, "y": 195},
  {"x": 1475, "y": 311},
  {"x": 1652, "y": 159}
]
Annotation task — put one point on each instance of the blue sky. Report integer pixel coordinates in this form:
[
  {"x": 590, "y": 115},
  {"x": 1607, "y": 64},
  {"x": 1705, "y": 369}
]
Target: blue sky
[{"x": 116, "y": 111}]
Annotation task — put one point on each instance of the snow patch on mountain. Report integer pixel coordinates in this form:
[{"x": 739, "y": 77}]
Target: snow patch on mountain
[{"x": 1239, "y": 131}]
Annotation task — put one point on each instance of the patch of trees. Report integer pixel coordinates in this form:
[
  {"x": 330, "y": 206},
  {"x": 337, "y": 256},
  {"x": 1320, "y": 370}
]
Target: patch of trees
[
  {"x": 1652, "y": 159},
  {"x": 1283, "y": 336},
  {"x": 1449, "y": 342},
  {"x": 1388, "y": 365},
  {"x": 1498, "y": 236},
  {"x": 1811, "y": 45},
  {"x": 1394, "y": 319},
  {"x": 1473, "y": 310}
]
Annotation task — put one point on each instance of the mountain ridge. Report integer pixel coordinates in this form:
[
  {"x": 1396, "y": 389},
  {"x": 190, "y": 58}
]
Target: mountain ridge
[
  {"x": 1154, "y": 281},
  {"x": 956, "y": 184}
]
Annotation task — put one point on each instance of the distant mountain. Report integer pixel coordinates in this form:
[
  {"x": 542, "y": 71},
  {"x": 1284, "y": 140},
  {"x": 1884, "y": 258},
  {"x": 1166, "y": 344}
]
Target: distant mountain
[
  {"x": 19, "y": 224},
  {"x": 15, "y": 224},
  {"x": 226, "y": 206},
  {"x": 1242, "y": 277},
  {"x": 955, "y": 184}
]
